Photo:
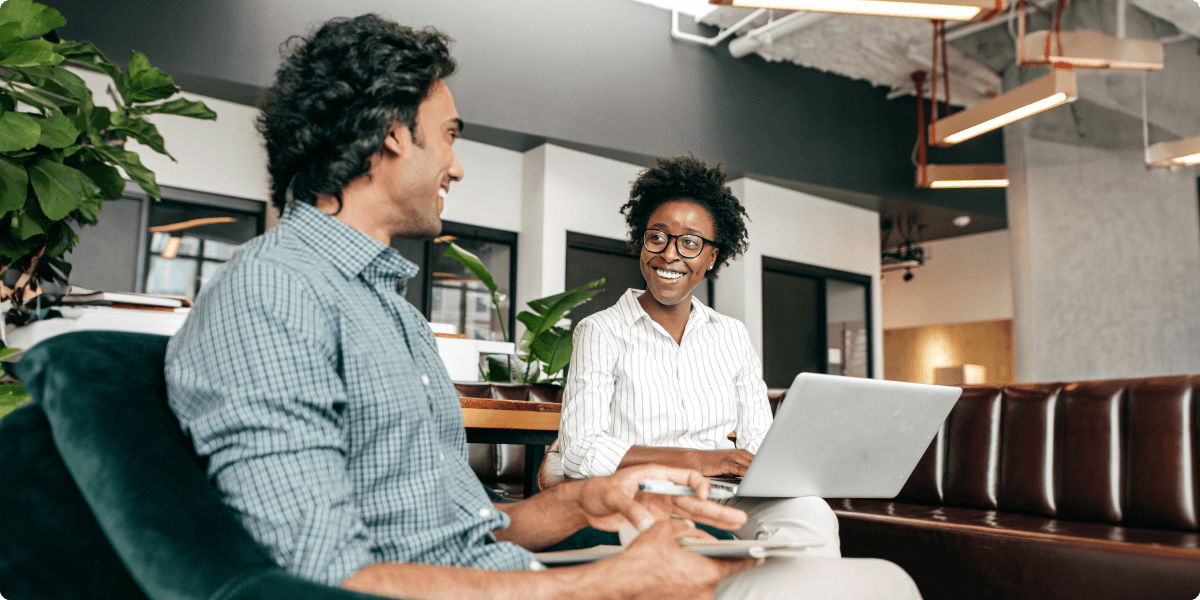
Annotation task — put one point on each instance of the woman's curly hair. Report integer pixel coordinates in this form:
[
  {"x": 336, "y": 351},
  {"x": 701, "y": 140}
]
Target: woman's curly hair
[
  {"x": 336, "y": 96},
  {"x": 688, "y": 178}
]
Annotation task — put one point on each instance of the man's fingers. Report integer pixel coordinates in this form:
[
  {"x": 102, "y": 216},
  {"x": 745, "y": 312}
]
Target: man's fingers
[
  {"x": 709, "y": 513},
  {"x": 636, "y": 512}
]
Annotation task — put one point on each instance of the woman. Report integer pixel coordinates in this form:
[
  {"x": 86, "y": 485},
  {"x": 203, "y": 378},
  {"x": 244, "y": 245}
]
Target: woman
[{"x": 661, "y": 378}]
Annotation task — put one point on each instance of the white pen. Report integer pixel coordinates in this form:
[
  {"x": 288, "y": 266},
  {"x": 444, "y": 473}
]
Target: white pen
[{"x": 666, "y": 488}]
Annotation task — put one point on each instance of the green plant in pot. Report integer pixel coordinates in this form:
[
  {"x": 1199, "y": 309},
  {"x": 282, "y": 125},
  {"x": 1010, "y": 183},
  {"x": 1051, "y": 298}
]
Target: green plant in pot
[
  {"x": 545, "y": 348},
  {"x": 60, "y": 152}
]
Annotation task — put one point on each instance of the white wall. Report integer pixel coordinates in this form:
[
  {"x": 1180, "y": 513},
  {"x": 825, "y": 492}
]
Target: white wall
[
  {"x": 964, "y": 279},
  {"x": 801, "y": 228},
  {"x": 490, "y": 193}
]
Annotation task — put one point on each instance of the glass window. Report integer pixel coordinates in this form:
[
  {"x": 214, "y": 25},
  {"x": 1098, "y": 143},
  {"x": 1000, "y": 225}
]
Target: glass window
[
  {"x": 189, "y": 242},
  {"x": 459, "y": 298}
]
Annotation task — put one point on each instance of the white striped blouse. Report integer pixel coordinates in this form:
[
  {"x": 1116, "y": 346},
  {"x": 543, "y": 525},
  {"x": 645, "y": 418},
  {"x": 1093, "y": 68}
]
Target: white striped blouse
[{"x": 631, "y": 384}]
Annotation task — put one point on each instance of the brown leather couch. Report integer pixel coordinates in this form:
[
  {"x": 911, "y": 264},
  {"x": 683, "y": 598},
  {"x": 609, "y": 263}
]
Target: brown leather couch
[
  {"x": 1085, "y": 490},
  {"x": 502, "y": 466}
]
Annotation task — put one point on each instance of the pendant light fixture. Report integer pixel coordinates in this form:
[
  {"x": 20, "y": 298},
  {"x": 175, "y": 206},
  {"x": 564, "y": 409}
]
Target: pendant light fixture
[
  {"x": 1034, "y": 97},
  {"x": 1083, "y": 48},
  {"x": 962, "y": 176},
  {"x": 942, "y": 10},
  {"x": 1180, "y": 153}
]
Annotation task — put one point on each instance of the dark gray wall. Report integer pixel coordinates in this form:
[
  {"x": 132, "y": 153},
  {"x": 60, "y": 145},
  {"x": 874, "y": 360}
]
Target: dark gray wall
[
  {"x": 600, "y": 73},
  {"x": 107, "y": 255}
]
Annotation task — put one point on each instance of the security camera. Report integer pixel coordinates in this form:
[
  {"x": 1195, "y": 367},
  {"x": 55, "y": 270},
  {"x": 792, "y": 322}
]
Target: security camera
[{"x": 908, "y": 275}]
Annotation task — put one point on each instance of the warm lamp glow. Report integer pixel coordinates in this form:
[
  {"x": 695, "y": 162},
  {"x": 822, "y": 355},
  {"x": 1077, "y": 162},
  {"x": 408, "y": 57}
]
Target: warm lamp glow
[
  {"x": 1180, "y": 153},
  {"x": 962, "y": 176},
  {"x": 172, "y": 248},
  {"x": 1087, "y": 49},
  {"x": 943, "y": 10},
  {"x": 1034, "y": 97}
]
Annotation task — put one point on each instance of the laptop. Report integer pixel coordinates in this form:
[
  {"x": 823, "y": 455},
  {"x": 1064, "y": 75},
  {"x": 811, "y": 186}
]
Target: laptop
[{"x": 845, "y": 437}]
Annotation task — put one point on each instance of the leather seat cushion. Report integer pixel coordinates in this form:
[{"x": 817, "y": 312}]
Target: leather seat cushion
[{"x": 955, "y": 552}]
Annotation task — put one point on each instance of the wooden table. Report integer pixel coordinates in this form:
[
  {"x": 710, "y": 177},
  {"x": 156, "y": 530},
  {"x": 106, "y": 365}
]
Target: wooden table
[{"x": 533, "y": 424}]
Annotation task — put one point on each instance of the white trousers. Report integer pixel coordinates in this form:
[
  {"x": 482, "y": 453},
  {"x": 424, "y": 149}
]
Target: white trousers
[
  {"x": 790, "y": 519},
  {"x": 811, "y": 577}
]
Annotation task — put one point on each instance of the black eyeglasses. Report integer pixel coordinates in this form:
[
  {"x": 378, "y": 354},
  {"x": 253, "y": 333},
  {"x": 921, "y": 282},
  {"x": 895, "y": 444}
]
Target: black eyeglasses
[{"x": 688, "y": 245}]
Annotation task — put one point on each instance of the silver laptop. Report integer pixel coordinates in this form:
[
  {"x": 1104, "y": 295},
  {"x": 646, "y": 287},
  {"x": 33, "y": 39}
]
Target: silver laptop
[{"x": 845, "y": 437}]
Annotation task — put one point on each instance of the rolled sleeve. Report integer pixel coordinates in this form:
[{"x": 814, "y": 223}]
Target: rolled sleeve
[
  {"x": 754, "y": 409},
  {"x": 584, "y": 434},
  {"x": 274, "y": 435}
]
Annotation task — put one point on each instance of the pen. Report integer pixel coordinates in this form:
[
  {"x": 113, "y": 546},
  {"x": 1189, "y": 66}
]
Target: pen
[{"x": 666, "y": 488}]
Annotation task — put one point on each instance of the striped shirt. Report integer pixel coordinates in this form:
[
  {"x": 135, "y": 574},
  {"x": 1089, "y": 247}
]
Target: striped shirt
[
  {"x": 631, "y": 384},
  {"x": 330, "y": 425}
]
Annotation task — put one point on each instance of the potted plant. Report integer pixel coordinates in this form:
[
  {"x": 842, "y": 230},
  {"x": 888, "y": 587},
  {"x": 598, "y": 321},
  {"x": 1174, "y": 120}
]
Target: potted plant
[
  {"x": 60, "y": 152},
  {"x": 545, "y": 348}
]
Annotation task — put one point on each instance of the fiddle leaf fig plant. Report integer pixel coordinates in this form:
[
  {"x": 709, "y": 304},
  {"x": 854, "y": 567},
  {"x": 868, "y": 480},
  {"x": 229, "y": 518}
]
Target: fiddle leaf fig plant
[
  {"x": 544, "y": 342},
  {"x": 60, "y": 152}
]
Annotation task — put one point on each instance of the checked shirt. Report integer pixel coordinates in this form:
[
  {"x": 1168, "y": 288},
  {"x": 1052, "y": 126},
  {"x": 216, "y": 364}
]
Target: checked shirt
[{"x": 330, "y": 424}]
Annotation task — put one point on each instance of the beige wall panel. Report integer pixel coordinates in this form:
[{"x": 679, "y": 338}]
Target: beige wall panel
[{"x": 912, "y": 353}]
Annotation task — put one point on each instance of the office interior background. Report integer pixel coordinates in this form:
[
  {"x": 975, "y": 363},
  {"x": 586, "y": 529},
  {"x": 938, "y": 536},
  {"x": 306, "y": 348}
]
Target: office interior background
[{"x": 1086, "y": 267}]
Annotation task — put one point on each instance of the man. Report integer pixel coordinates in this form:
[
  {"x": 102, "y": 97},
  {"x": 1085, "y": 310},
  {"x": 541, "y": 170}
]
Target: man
[{"x": 330, "y": 424}]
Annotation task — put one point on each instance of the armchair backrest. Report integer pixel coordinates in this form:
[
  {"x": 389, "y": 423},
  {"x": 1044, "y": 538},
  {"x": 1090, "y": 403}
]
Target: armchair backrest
[{"x": 103, "y": 396}]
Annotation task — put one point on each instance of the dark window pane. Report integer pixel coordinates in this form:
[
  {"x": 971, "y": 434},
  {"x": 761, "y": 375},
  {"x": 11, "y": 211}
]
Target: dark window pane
[
  {"x": 459, "y": 298},
  {"x": 189, "y": 242}
]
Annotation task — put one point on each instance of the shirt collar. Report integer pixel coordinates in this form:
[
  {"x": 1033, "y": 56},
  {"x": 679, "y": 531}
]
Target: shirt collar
[
  {"x": 632, "y": 310},
  {"x": 353, "y": 252}
]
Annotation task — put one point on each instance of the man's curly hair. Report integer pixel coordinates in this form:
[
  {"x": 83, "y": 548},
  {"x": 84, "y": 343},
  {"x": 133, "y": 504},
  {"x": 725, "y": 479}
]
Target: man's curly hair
[
  {"x": 336, "y": 96},
  {"x": 688, "y": 178}
]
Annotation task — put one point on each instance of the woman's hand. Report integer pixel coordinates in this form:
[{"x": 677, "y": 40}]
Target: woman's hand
[{"x": 716, "y": 463}]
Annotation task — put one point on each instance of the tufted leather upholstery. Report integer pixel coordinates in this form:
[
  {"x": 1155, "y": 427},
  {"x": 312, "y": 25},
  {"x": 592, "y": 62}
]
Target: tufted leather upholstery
[
  {"x": 1081, "y": 490},
  {"x": 503, "y": 463}
]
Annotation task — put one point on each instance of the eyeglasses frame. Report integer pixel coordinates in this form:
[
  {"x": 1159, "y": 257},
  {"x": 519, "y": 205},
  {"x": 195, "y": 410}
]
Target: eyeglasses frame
[{"x": 675, "y": 239}]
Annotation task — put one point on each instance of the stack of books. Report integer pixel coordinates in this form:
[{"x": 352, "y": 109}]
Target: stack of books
[
  {"x": 83, "y": 310},
  {"x": 77, "y": 296}
]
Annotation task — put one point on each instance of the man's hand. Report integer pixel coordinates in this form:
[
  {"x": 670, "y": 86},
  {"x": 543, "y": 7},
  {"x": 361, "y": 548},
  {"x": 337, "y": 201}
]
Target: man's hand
[
  {"x": 715, "y": 463},
  {"x": 655, "y": 566},
  {"x": 606, "y": 502}
]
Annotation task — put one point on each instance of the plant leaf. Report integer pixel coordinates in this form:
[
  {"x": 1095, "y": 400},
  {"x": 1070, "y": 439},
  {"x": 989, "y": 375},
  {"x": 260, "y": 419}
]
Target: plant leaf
[
  {"x": 87, "y": 54},
  {"x": 60, "y": 189},
  {"x": 58, "y": 132},
  {"x": 10, "y": 32},
  {"x": 34, "y": 20},
  {"x": 15, "y": 186},
  {"x": 107, "y": 177},
  {"x": 141, "y": 130},
  {"x": 473, "y": 264},
  {"x": 147, "y": 83},
  {"x": 18, "y": 131},
  {"x": 38, "y": 99},
  {"x": 553, "y": 348},
  {"x": 179, "y": 106},
  {"x": 28, "y": 54},
  {"x": 497, "y": 371},
  {"x": 7, "y": 352},
  {"x": 99, "y": 119},
  {"x": 551, "y": 309},
  {"x": 133, "y": 167},
  {"x": 58, "y": 80},
  {"x": 27, "y": 227}
]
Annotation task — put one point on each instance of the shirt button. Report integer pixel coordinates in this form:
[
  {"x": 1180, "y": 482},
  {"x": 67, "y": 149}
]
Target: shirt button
[
  {"x": 425, "y": 379},
  {"x": 441, "y": 456},
  {"x": 485, "y": 513}
]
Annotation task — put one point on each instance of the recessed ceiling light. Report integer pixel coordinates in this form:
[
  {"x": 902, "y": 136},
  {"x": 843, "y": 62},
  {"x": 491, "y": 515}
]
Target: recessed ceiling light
[{"x": 962, "y": 220}]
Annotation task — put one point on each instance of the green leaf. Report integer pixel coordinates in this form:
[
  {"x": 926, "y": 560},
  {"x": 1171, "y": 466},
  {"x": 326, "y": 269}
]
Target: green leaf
[
  {"x": 35, "y": 20},
  {"x": 8, "y": 352},
  {"x": 551, "y": 309},
  {"x": 14, "y": 186},
  {"x": 133, "y": 167},
  {"x": 141, "y": 130},
  {"x": 10, "y": 32},
  {"x": 18, "y": 131},
  {"x": 99, "y": 119},
  {"x": 473, "y": 264},
  {"x": 147, "y": 83},
  {"x": 27, "y": 227},
  {"x": 89, "y": 210},
  {"x": 61, "y": 238},
  {"x": 87, "y": 54},
  {"x": 58, "y": 80},
  {"x": 12, "y": 396},
  {"x": 30, "y": 53},
  {"x": 39, "y": 99},
  {"x": 60, "y": 189},
  {"x": 107, "y": 177},
  {"x": 553, "y": 348},
  {"x": 58, "y": 132},
  {"x": 179, "y": 106},
  {"x": 497, "y": 370}
]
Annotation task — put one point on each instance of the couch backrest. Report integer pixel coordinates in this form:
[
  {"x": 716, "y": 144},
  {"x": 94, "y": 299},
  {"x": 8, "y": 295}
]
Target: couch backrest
[{"x": 1117, "y": 451}]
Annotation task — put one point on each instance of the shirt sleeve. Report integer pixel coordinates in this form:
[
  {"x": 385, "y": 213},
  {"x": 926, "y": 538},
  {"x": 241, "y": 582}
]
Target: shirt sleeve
[
  {"x": 584, "y": 433},
  {"x": 754, "y": 410},
  {"x": 253, "y": 377}
]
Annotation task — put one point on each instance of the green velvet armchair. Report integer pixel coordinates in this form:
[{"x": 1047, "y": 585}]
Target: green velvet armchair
[{"x": 102, "y": 497}]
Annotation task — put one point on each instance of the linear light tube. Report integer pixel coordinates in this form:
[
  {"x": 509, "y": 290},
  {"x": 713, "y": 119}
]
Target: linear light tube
[
  {"x": 946, "y": 10},
  {"x": 1093, "y": 50},
  {"x": 1180, "y": 153},
  {"x": 962, "y": 176},
  {"x": 1034, "y": 97}
]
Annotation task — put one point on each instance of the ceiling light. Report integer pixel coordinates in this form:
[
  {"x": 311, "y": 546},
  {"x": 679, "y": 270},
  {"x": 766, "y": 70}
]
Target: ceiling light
[
  {"x": 962, "y": 176},
  {"x": 961, "y": 220},
  {"x": 1092, "y": 50},
  {"x": 943, "y": 10},
  {"x": 172, "y": 248},
  {"x": 1180, "y": 153},
  {"x": 1034, "y": 97}
]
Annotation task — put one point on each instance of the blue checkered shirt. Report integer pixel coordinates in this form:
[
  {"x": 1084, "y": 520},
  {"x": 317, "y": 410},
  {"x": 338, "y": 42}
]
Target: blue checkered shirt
[{"x": 331, "y": 426}]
